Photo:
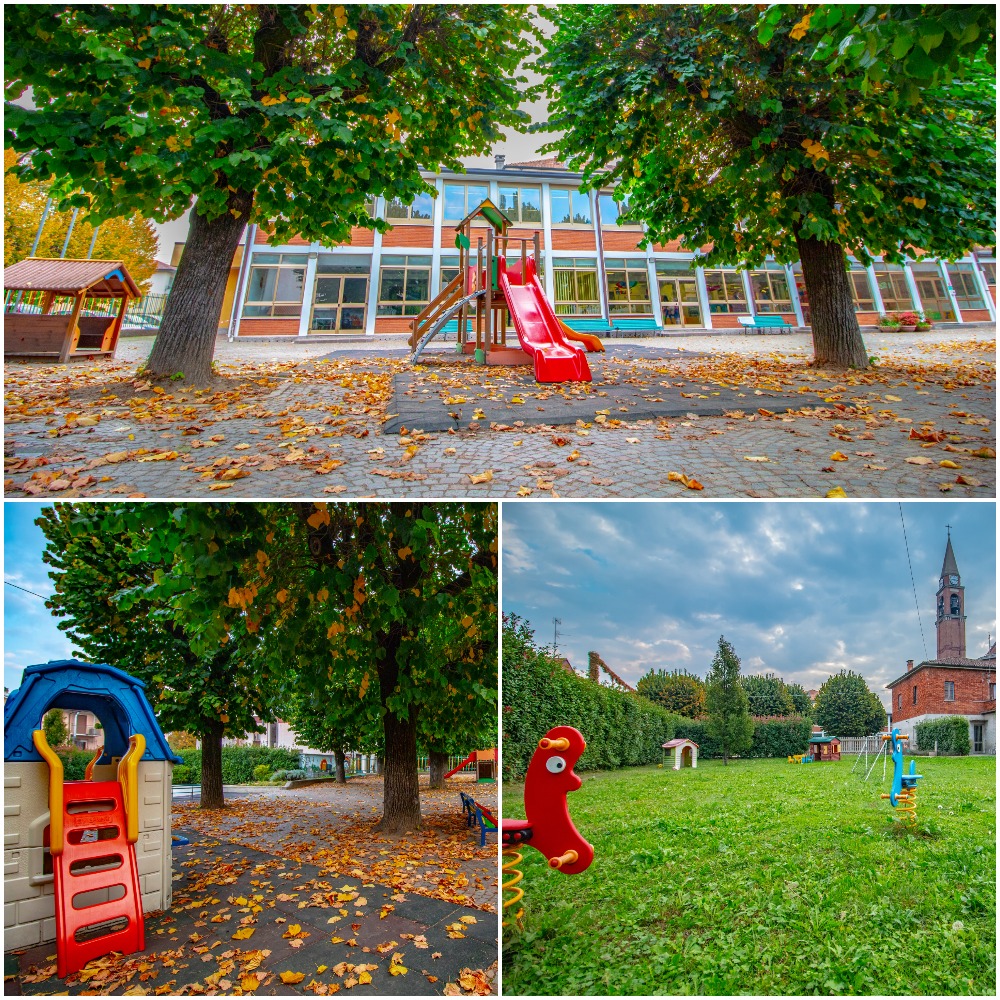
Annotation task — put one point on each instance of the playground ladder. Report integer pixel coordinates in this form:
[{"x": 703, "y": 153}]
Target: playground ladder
[{"x": 95, "y": 864}]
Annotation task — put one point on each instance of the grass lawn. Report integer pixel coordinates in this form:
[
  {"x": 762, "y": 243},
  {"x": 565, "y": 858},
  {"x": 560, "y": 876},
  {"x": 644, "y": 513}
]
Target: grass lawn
[{"x": 765, "y": 877}]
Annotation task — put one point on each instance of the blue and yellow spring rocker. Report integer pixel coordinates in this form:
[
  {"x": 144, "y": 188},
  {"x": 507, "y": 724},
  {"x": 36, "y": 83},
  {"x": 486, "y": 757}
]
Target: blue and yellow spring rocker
[{"x": 903, "y": 794}]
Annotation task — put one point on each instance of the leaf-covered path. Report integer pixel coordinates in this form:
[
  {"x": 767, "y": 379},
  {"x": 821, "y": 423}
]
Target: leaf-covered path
[
  {"x": 720, "y": 416},
  {"x": 291, "y": 893}
]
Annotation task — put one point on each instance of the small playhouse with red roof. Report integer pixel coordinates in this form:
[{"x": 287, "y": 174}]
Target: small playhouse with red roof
[{"x": 685, "y": 753}]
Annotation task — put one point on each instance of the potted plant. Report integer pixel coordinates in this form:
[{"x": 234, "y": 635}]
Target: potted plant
[
  {"x": 908, "y": 321},
  {"x": 923, "y": 323},
  {"x": 889, "y": 323}
]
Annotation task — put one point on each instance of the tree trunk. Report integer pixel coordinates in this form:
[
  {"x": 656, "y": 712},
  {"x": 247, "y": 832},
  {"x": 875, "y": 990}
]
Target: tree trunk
[
  {"x": 211, "y": 767},
  {"x": 438, "y": 764},
  {"x": 339, "y": 756},
  {"x": 401, "y": 794},
  {"x": 837, "y": 341},
  {"x": 186, "y": 341}
]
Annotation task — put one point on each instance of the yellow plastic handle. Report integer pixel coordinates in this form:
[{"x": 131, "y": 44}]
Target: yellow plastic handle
[
  {"x": 55, "y": 791},
  {"x": 560, "y": 743},
  {"x": 128, "y": 778},
  {"x": 564, "y": 859}
]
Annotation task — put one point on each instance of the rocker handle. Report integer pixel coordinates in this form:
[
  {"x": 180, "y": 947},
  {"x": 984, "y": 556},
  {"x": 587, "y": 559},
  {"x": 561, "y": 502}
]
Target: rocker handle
[
  {"x": 564, "y": 859},
  {"x": 561, "y": 743}
]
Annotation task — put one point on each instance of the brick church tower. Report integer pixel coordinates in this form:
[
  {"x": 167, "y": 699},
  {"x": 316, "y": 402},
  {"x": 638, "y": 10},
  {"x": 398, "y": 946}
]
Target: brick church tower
[{"x": 950, "y": 609}]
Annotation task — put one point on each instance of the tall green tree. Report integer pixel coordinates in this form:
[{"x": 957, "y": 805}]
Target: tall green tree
[
  {"x": 676, "y": 690},
  {"x": 105, "y": 562},
  {"x": 726, "y": 136},
  {"x": 289, "y": 115},
  {"x": 54, "y": 727},
  {"x": 767, "y": 695},
  {"x": 729, "y": 721},
  {"x": 800, "y": 699},
  {"x": 395, "y": 600},
  {"x": 845, "y": 706}
]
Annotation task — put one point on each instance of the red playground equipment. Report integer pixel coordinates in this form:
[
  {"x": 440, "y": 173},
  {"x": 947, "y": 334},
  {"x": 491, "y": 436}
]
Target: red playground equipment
[
  {"x": 496, "y": 281},
  {"x": 486, "y": 765},
  {"x": 548, "y": 827}
]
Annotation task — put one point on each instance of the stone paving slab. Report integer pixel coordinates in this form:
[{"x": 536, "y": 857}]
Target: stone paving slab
[
  {"x": 622, "y": 456},
  {"x": 211, "y": 875}
]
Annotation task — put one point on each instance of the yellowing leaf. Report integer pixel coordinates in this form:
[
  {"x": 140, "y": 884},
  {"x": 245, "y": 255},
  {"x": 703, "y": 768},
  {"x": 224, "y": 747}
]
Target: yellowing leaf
[
  {"x": 893, "y": 399},
  {"x": 243, "y": 933},
  {"x": 480, "y": 477},
  {"x": 290, "y": 978},
  {"x": 920, "y": 460},
  {"x": 947, "y": 463},
  {"x": 838, "y": 456},
  {"x": 319, "y": 518},
  {"x": 837, "y": 493}
]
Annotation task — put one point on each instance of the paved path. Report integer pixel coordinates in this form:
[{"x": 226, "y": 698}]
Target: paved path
[
  {"x": 661, "y": 418},
  {"x": 324, "y": 928}
]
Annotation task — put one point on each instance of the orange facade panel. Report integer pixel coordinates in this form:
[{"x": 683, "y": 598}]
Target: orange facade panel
[
  {"x": 361, "y": 237},
  {"x": 574, "y": 239},
  {"x": 409, "y": 236},
  {"x": 393, "y": 324},
  {"x": 618, "y": 240},
  {"x": 269, "y": 327},
  {"x": 975, "y": 316},
  {"x": 674, "y": 246}
]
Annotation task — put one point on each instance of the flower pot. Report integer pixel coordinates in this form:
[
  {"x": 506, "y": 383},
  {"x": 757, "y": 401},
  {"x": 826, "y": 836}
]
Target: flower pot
[
  {"x": 889, "y": 329},
  {"x": 923, "y": 327},
  {"x": 907, "y": 329}
]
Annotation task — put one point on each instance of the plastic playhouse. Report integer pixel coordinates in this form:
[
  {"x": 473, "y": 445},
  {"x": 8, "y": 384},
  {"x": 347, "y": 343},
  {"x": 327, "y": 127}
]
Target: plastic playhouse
[
  {"x": 84, "y": 859},
  {"x": 548, "y": 827},
  {"x": 683, "y": 751},
  {"x": 498, "y": 283},
  {"x": 902, "y": 795}
]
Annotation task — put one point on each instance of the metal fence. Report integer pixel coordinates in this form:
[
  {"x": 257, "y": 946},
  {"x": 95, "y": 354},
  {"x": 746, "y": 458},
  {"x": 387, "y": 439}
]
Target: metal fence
[{"x": 145, "y": 313}]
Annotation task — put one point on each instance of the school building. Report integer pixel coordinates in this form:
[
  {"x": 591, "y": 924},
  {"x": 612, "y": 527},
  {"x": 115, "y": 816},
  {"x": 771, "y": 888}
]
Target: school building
[{"x": 591, "y": 267}]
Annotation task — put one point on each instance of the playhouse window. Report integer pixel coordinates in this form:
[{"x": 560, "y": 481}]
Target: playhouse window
[
  {"x": 570, "y": 208},
  {"x": 521, "y": 204},
  {"x": 461, "y": 199},
  {"x": 949, "y": 690}
]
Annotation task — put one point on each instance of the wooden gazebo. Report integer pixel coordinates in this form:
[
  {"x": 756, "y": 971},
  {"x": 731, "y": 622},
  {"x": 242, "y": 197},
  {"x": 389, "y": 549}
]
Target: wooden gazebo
[{"x": 63, "y": 308}]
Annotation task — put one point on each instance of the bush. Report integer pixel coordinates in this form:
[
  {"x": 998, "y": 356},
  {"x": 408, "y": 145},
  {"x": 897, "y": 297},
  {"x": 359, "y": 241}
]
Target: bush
[
  {"x": 238, "y": 763},
  {"x": 696, "y": 730},
  {"x": 290, "y": 774},
  {"x": 621, "y": 729},
  {"x": 182, "y": 774},
  {"x": 951, "y": 734},
  {"x": 780, "y": 737},
  {"x": 74, "y": 762},
  {"x": 261, "y": 772}
]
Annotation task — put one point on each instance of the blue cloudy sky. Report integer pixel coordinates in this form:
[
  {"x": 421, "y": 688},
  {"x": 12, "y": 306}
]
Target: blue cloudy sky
[{"x": 801, "y": 589}]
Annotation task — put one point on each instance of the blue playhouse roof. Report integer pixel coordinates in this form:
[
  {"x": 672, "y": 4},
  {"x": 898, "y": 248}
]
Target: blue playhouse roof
[{"x": 115, "y": 697}]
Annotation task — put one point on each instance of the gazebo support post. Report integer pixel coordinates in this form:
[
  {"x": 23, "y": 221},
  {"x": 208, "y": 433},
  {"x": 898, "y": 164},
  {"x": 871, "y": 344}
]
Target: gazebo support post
[
  {"x": 110, "y": 341},
  {"x": 72, "y": 331}
]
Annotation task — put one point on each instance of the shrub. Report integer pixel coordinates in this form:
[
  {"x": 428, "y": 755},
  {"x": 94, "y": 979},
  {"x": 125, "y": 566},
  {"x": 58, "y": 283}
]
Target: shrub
[
  {"x": 238, "y": 763},
  {"x": 261, "y": 772},
  {"x": 909, "y": 319},
  {"x": 780, "y": 737},
  {"x": 290, "y": 774},
  {"x": 182, "y": 774},
  {"x": 74, "y": 762},
  {"x": 951, "y": 734},
  {"x": 697, "y": 731},
  {"x": 621, "y": 729}
]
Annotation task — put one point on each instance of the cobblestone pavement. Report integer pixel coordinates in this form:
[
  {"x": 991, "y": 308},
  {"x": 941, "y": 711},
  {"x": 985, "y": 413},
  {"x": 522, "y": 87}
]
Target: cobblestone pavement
[{"x": 660, "y": 420}]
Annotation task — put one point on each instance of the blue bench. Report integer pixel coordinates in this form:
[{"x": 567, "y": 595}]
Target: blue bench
[
  {"x": 636, "y": 325},
  {"x": 477, "y": 815},
  {"x": 776, "y": 323},
  {"x": 598, "y": 326}
]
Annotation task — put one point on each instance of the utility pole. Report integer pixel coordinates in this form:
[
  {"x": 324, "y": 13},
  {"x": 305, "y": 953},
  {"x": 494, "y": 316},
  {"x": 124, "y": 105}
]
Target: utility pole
[{"x": 556, "y": 622}]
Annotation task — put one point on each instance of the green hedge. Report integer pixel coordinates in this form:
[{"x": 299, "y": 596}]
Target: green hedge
[
  {"x": 74, "y": 763},
  {"x": 238, "y": 764},
  {"x": 951, "y": 733},
  {"x": 697, "y": 731},
  {"x": 621, "y": 729},
  {"x": 780, "y": 737}
]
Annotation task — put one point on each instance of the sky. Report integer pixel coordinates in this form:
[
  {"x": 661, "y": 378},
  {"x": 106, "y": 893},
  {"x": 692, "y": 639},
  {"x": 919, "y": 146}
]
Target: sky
[{"x": 801, "y": 589}]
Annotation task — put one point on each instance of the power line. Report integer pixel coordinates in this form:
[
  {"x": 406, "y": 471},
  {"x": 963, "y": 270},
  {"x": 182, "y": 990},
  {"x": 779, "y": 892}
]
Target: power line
[
  {"x": 912, "y": 581},
  {"x": 25, "y": 589}
]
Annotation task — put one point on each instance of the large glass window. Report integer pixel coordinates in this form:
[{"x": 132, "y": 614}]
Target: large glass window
[
  {"x": 614, "y": 213},
  {"x": 521, "y": 204},
  {"x": 933, "y": 293},
  {"x": 404, "y": 285},
  {"x": 893, "y": 288},
  {"x": 726, "y": 293},
  {"x": 989, "y": 268},
  {"x": 628, "y": 285},
  {"x": 449, "y": 268},
  {"x": 274, "y": 287},
  {"x": 679, "y": 303},
  {"x": 770, "y": 290},
  {"x": 963, "y": 281},
  {"x": 861, "y": 291},
  {"x": 421, "y": 209},
  {"x": 341, "y": 292},
  {"x": 576, "y": 286},
  {"x": 461, "y": 199},
  {"x": 570, "y": 208}
]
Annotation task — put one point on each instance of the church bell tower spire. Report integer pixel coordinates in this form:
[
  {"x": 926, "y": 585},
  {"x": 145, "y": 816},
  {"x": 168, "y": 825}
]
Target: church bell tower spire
[{"x": 950, "y": 608}]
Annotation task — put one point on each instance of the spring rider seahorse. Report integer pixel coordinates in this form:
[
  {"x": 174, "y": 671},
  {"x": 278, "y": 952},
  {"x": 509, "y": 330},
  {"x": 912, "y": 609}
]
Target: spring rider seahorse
[
  {"x": 903, "y": 794},
  {"x": 548, "y": 827}
]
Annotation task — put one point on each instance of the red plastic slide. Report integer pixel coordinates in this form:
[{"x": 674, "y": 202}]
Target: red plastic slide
[{"x": 556, "y": 358}]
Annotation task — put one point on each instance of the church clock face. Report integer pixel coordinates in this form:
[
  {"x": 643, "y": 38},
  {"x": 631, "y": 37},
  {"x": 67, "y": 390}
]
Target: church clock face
[{"x": 953, "y": 580}]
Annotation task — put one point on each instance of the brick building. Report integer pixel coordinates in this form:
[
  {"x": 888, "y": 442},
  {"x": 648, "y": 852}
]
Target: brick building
[
  {"x": 952, "y": 683},
  {"x": 591, "y": 267}
]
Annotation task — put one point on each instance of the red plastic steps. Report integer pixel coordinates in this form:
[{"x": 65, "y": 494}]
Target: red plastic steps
[{"x": 102, "y": 862}]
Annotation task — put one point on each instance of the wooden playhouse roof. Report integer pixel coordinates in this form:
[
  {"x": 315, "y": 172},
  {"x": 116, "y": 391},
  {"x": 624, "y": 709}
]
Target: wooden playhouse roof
[
  {"x": 493, "y": 215},
  {"x": 670, "y": 744},
  {"x": 101, "y": 279}
]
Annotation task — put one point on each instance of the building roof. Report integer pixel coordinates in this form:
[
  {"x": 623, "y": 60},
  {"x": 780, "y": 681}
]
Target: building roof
[
  {"x": 986, "y": 665},
  {"x": 70, "y": 276},
  {"x": 949, "y": 565},
  {"x": 679, "y": 743},
  {"x": 548, "y": 163},
  {"x": 823, "y": 739}
]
